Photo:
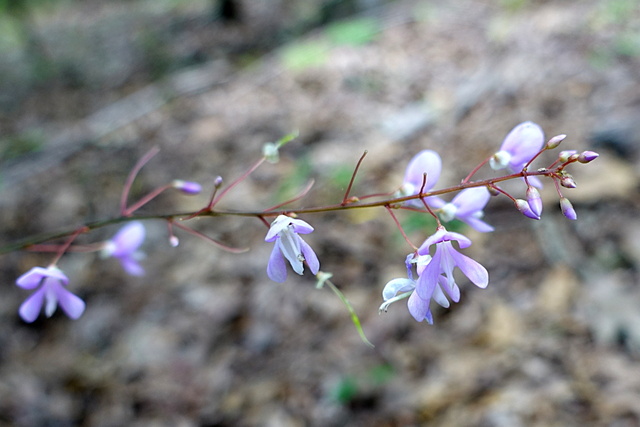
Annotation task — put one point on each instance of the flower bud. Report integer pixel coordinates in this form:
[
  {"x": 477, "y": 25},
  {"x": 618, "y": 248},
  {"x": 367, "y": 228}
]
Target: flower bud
[
  {"x": 218, "y": 182},
  {"x": 525, "y": 209},
  {"x": 270, "y": 152},
  {"x": 187, "y": 187},
  {"x": 555, "y": 141},
  {"x": 587, "y": 156},
  {"x": 567, "y": 209},
  {"x": 568, "y": 182},
  {"x": 534, "y": 200},
  {"x": 174, "y": 241},
  {"x": 493, "y": 191},
  {"x": 564, "y": 156}
]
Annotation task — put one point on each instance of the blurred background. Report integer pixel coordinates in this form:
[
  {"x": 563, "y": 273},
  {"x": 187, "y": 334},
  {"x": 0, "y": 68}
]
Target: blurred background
[{"x": 205, "y": 339}]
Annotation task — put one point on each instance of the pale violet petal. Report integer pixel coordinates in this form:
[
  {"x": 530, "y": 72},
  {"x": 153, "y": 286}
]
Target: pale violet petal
[
  {"x": 429, "y": 277},
  {"x": 440, "y": 298},
  {"x": 30, "y": 308},
  {"x": 474, "y": 271},
  {"x": 426, "y": 161},
  {"x": 128, "y": 239},
  {"x": 471, "y": 200},
  {"x": 523, "y": 142},
  {"x": 477, "y": 224},
  {"x": 393, "y": 287},
  {"x": 278, "y": 224},
  {"x": 71, "y": 304},
  {"x": 131, "y": 266},
  {"x": 277, "y": 268},
  {"x": 419, "y": 308},
  {"x": 452, "y": 291},
  {"x": 310, "y": 257},
  {"x": 300, "y": 226},
  {"x": 289, "y": 243}
]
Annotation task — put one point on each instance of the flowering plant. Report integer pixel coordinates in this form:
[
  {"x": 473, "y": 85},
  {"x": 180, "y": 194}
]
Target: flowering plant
[{"x": 434, "y": 261}]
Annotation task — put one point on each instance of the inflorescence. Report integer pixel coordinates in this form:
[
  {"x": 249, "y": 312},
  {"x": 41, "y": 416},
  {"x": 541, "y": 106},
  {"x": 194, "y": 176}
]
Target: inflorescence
[{"x": 434, "y": 261}]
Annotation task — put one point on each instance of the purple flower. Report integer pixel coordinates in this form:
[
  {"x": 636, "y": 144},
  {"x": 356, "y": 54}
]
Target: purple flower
[
  {"x": 51, "y": 283},
  {"x": 288, "y": 244},
  {"x": 466, "y": 206},
  {"x": 426, "y": 161},
  {"x": 418, "y": 307},
  {"x": 124, "y": 246},
  {"x": 518, "y": 148},
  {"x": 440, "y": 269}
]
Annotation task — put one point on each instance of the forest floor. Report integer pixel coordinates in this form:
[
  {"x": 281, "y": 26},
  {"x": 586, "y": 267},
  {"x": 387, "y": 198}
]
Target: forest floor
[{"x": 206, "y": 339}]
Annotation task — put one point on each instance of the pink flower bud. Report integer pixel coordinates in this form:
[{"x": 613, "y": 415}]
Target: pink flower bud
[
  {"x": 525, "y": 209},
  {"x": 564, "y": 156},
  {"x": 218, "y": 182},
  {"x": 587, "y": 156},
  {"x": 188, "y": 187},
  {"x": 568, "y": 182},
  {"x": 567, "y": 209},
  {"x": 534, "y": 200},
  {"x": 555, "y": 141}
]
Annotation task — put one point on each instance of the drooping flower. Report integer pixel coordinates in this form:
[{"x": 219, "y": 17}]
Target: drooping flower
[
  {"x": 443, "y": 262},
  {"x": 51, "y": 283},
  {"x": 425, "y": 162},
  {"x": 284, "y": 232},
  {"x": 397, "y": 289},
  {"x": 466, "y": 206},
  {"x": 124, "y": 246},
  {"x": 518, "y": 148}
]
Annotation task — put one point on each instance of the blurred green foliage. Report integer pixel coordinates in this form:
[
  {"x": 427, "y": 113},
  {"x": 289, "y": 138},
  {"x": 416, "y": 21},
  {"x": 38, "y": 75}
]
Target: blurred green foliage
[
  {"x": 19, "y": 145},
  {"x": 356, "y": 32}
]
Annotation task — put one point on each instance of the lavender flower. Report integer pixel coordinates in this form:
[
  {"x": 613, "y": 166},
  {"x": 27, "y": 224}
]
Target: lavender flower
[
  {"x": 426, "y": 161},
  {"x": 466, "y": 206},
  {"x": 288, "y": 244},
  {"x": 124, "y": 246},
  {"x": 418, "y": 307},
  {"x": 518, "y": 148},
  {"x": 52, "y": 290},
  {"x": 443, "y": 262}
]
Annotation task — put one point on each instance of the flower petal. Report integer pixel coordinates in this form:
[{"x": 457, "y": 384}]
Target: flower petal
[
  {"x": 70, "y": 303},
  {"x": 471, "y": 200},
  {"x": 523, "y": 142},
  {"x": 452, "y": 291},
  {"x": 277, "y": 268},
  {"x": 131, "y": 266},
  {"x": 33, "y": 278},
  {"x": 426, "y": 161},
  {"x": 476, "y": 273},
  {"x": 30, "y": 308},
  {"x": 477, "y": 224},
  {"x": 128, "y": 239},
  {"x": 310, "y": 257},
  {"x": 394, "y": 286},
  {"x": 278, "y": 224},
  {"x": 300, "y": 226},
  {"x": 419, "y": 308},
  {"x": 429, "y": 278},
  {"x": 440, "y": 298}
]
